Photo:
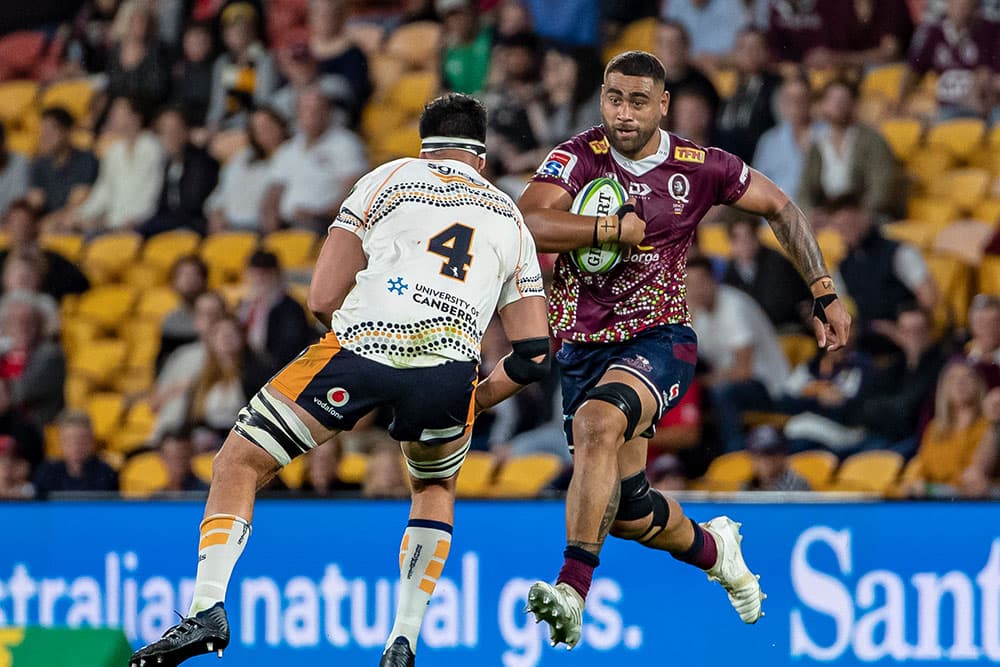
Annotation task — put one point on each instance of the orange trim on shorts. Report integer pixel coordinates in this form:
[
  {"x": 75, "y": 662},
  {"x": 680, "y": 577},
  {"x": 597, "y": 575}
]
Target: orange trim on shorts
[
  {"x": 212, "y": 540},
  {"x": 470, "y": 418},
  {"x": 293, "y": 379}
]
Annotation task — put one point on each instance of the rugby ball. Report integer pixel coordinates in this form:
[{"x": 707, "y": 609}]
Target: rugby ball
[{"x": 600, "y": 197}]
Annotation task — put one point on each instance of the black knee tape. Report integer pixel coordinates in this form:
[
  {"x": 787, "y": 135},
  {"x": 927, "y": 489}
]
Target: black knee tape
[
  {"x": 634, "y": 502},
  {"x": 623, "y": 397},
  {"x": 661, "y": 514}
]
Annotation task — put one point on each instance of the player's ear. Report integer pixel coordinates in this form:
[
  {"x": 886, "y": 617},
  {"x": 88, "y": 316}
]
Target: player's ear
[
  {"x": 665, "y": 102},
  {"x": 482, "y": 164}
]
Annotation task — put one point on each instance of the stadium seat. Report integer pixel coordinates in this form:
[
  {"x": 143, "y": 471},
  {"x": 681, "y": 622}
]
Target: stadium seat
[
  {"x": 884, "y": 81},
  {"x": 144, "y": 276},
  {"x": 201, "y": 466},
  {"x": 69, "y": 246},
  {"x": 989, "y": 276},
  {"x": 53, "y": 447},
  {"x": 925, "y": 165},
  {"x": 294, "y": 247},
  {"x": 725, "y": 81},
  {"x": 99, "y": 361},
  {"x": 294, "y": 473},
  {"x": 401, "y": 142},
  {"x": 903, "y": 135},
  {"x": 136, "y": 429},
  {"x": 638, "y": 34},
  {"x": 815, "y": 466},
  {"x": 384, "y": 71},
  {"x": 917, "y": 233},
  {"x": 226, "y": 254},
  {"x": 798, "y": 348},
  {"x": 106, "y": 410},
  {"x": 932, "y": 210},
  {"x": 155, "y": 303},
  {"x": 713, "y": 240},
  {"x": 74, "y": 95},
  {"x": 107, "y": 305},
  {"x": 964, "y": 240},
  {"x": 476, "y": 476},
  {"x": 164, "y": 249},
  {"x": 965, "y": 188},
  {"x": 412, "y": 91},
  {"x": 874, "y": 471},
  {"x": 16, "y": 99},
  {"x": 988, "y": 211},
  {"x": 106, "y": 257},
  {"x": 143, "y": 337},
  {"x": 379, "y": 119},
  {"x": 961, "y": 136},
  {"x": 728, "y": 471},
  {"x": 352, "y": 467},
  {"x": 143, "y": 475},
  {"x": 526, "y": 476},
  {"x": 954, "y": 281},
  {"x": 416, "y": 45},
  {"x": 832, "y": 245}
]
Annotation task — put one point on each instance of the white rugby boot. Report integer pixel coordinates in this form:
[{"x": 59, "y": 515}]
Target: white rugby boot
[
  {"x": 732, "y": 572},
  {"x": 561, "y": 607}
]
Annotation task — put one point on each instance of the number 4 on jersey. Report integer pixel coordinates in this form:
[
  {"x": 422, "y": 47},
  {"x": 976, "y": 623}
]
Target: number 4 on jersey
[{"x": 453, "y": 244}]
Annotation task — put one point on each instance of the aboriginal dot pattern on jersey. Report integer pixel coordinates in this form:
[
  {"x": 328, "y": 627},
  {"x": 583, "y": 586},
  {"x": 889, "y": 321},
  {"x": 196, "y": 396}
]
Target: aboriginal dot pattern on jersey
[
  {"x": 451, "y": 195},
  {"x": 348, "y": 218},
  {"x": 411, "y": 340}
]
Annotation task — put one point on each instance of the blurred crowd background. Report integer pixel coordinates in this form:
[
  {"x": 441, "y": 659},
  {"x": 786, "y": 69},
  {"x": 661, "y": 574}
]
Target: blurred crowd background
[{"x": 168, "y": 169}]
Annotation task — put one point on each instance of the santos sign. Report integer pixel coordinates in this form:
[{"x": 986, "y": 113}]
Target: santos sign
[{"x": 850, "y": 584}]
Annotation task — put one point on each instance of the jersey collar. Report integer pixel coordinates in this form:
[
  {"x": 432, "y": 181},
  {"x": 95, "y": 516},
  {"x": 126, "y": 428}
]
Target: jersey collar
[{"x": 648, "y": 163}]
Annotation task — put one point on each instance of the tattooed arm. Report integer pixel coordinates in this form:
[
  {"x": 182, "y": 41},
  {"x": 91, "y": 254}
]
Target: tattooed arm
[{"x": 831, "y": 321}]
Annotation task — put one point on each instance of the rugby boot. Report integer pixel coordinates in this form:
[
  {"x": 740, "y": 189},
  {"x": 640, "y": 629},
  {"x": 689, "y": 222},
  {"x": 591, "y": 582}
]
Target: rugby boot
[
  {"x": 398, "y": 654},
  {"x": 561, "y": 607},
  {"x": 205, "y": 632},
  {"x": 742, "y": 585}
]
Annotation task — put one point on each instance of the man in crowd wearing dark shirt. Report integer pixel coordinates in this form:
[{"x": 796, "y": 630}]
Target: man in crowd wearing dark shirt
[
  {"x": 749, "y": 112},
  {"x": 61, "y": 176},
  {"x": 673, "y": 48},
  {"x": 79, "y": 469}
]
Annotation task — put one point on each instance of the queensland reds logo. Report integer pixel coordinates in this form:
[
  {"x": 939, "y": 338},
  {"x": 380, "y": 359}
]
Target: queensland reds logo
[
  {"x": 338, "y": 397},
  {"x": 680, "y": 187}
]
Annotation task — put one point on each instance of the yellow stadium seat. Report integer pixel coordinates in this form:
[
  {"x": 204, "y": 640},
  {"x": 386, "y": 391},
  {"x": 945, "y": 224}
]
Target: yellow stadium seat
[
  {"x": 107, "y": 257},
  {"x": 135, "y": 381},
  {"x": 105, "y": 410},
  {"x": 164, "y": 249},
  {"x": 932, "y": 210},
  {"x": 24, "y": 142},
  {"x": 476, "y": 476},
  {"x": 798, "y": 348},
  {"x": 732, "y": 468},
  {"x": 416, "y": 45},
  {"x": 401, "y": 142},
  {"x": 884, "y": 81},
  {"x": 143, "y": 475},
  {"x": 143, "y": 338},
  {"x": 925, "y": 165},
  {"x": 353, "y": 467},
  {"x": 917, "y": 233},
  {"x": 144, "y": 276},
  {"x": 107, "y": 305},
  {"x": 965, "y": 188},
  {"x": 69, "y": 246},
  {"x": 832, "y": 246},
  {"x": 53, "y": 447},
  {"x": 412, "y": 91},
  {"x": 988, "y": 211},
  {"x": 226, "y": 254},
  {"x": 136, "y": 429},
  {"x": 201, "y": 466},
  {"x": 383, "y": 70},
  {"x": 989, "y": 276},
  {"x": 725, "y": 81},
  {"x": 294, "y": 247},
  {"x": 77, "y": 333},
  {"x": 964, "y": 240},
  {"x": 379, "y": 119},
  {"x": 155, "y": 303},
  {"x": 713, "y": 240},
  {"x": 294, "y": 473},
  {"x": 954, "y": 281},
  {"x": 961, "y": 136},
  {"x": 75, "y": 96},
  {"x": 815, "y": 466},
  {"x": 637, "y": 35},
  {"x": 99, "y": 361},
  {"x": 903, "y": 135},
  {"x": 16, "y": 99},
  {"x": 874, "y": 472},
  {"x": 526, "y": 476}
]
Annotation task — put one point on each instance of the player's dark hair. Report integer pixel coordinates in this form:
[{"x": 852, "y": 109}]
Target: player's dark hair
[
  {"x": 679, "y": 27},
  {"x": 454, "y": 115},
  {"x": 60, "y": 116},
  {"x": 637, "y": 63}
]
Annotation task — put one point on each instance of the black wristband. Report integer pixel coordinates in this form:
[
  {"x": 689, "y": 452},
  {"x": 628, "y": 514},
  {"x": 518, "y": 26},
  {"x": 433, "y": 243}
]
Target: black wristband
[
  {"x": 624, "y": 210},
  {"x": 820, "y": 304},
  {"x": 597, "y": 220}
]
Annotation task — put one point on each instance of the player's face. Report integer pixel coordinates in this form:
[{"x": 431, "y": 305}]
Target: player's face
[{"x": 632, "y": 108}]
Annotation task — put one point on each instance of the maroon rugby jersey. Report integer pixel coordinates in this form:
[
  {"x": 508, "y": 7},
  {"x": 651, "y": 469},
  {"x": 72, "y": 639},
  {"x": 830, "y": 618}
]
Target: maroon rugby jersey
[{"x": 673, "y": 188}]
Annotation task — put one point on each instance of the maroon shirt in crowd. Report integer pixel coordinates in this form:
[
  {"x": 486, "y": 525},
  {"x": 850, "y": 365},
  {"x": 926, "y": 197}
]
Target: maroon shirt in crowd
[
  {"x": 955, "y": 55},
  {"x": 673, "y": 188},
  {"x": 797, "y": 26}
]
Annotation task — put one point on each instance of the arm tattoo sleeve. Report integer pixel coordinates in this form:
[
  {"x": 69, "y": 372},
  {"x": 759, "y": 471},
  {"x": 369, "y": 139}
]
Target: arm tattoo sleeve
[{"x": 796, "y": 237}]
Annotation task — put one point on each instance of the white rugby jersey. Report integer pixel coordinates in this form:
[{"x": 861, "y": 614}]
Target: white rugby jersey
[{"x": 445, "y": 249}]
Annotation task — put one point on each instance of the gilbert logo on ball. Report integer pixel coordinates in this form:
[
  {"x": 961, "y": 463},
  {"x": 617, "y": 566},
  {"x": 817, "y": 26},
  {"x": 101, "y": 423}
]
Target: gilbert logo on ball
[
  {"x": 600, "y": 197},
  {"x": 337, "y": 397}
]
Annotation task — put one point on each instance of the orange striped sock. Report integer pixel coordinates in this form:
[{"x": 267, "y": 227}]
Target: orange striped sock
[
  {"x": 421, "y": 560},
  {"x": 223, "y": 537}
]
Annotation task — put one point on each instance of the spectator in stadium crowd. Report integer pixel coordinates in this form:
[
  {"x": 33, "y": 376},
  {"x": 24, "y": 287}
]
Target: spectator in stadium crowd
[
  {"x": 23, "y": 272},
  {"x": 192, "y": 74},
  {"x": 90, "y": 38},
  {"x": 15, "y": 472},
  {"x": 14, "y": 174},
  {"x": 571, "y": 82},
  {"x": 950, "y": 441},
  {"x": 137, "y": 64},
  {"x": 691, "y": 117},
  {"x": 237, "y": 199},
  {"x": 311, "y": 174},
  {"x": 666, "y": 473},
  {"x": 961, "y": 49},
  {"x": 878, "y": 273},
  {"x": 301, "y": 71},
  {"x": 465, "y": 59},
  {"x": 337, "y": 55},
  {"x": 745, "y": 116},
  {"x": 130, "y": 177},
  {"x": 714, "y": 26},
  {"x": 244, "y": 75},
  {"x": 26, "y": 434},
  {"x": 384, "y": 474},
  {"x": 781, "y": 150},
  {"x": 189, "y": 280},
  {"x": 61, "y": 175},
  {"x": 189, "y": 175},
  {"x": 680, "y": 429},
  {"x": 177, "y": 451},
  {"x": 766, "y": 275},
  {"x": 568, "y": 21},
  {"x": 59, "y": 276},
  {"x": 768, "y": 451},
  {"x": 512, "y": 17},
  {"x": 983, "y": 349},
  {"x": 847, "y": 157},
  {"x": 735, "y": 338},
  {"x": 322, "y": 471},
  {"x": 180, "y": 370},
  {"x": 673, "y": 48},
  {"x": 276, "y": 325},
  {"x": 79, "y": 469},
  {"x": 982, "y": 477},
  {"x": 794, "y": 28},
  {"x": 33, "y": 364}
]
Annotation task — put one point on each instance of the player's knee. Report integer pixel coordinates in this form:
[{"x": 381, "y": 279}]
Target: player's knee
[
  {"x": 597, "y": 425},
  {"x": 618, "y": 408}
]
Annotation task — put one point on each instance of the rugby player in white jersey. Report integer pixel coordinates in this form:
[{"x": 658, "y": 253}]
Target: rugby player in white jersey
[{"x": 423, "y": 252}]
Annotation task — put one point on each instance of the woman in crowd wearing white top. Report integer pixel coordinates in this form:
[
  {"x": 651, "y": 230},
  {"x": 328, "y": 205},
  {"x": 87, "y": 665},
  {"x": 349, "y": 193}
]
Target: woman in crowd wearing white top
[{"x": 236, "y": 201}]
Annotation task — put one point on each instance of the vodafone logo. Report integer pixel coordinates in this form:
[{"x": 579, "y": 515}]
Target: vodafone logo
[{"x": 338, "y": 397}]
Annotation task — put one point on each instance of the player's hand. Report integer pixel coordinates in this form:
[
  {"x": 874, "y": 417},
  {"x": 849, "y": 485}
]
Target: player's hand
[
  {"x": 832, "y": 324},
  {"x": 633, "y": 227}
]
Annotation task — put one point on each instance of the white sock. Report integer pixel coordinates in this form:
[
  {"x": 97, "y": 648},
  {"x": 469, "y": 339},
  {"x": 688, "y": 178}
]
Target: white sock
[
  {"x": 421, "y": 559},
  {"x": 223, "y": 537}
]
